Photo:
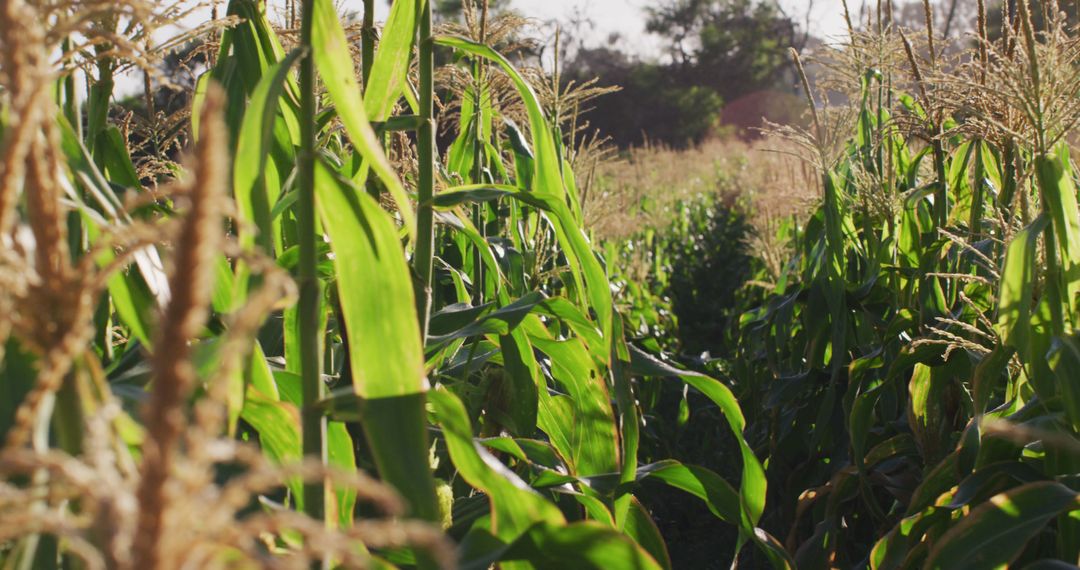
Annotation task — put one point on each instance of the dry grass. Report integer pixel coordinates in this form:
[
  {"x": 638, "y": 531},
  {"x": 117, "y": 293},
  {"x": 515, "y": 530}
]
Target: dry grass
[{"x": 639, "y": 190}]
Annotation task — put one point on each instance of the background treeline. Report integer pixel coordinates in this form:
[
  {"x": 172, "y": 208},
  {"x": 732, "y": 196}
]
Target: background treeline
[{"x": 722, "y": 65}]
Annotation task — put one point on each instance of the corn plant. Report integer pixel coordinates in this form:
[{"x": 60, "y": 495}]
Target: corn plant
[
  {"x": 915, "y": 357},
  {"x": 203, "y": 363}
]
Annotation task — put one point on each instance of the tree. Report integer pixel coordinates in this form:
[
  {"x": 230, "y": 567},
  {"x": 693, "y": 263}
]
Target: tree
[
  {"x": 718, "y": 52},
  {"x": 733, "y": 46},
  {"x": 651, "y": 104}
]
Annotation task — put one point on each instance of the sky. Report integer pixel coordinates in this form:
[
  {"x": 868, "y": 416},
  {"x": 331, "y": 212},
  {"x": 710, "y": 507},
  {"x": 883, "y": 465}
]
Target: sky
[
  {"x": 627, "y": 17},
  {"x": 623, "y": 17}
]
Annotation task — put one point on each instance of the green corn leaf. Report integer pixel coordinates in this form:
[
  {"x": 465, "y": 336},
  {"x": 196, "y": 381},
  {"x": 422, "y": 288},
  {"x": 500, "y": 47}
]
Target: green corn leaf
[
  {"x": 500, "y": 321},
  {"x": 641, "y": 527},
  {"x": 572, "y": 316},
  {"x": 991, "y": 479},
  {"x": 385, "y": 351},
  {"x": 629, "y": 420},
  {"x": 514, "y": 507},
  {"x": 278, "y": 426},
  {"x": 247, "y": 51},
  {"x": 259, "y": 375},
  {"x": 991, "y": 166},
  {"x": 890, "y": 551},
  {"x": 717, "y": 494},
  {"x": 548, "y": 177},
  {"x": 133, "y": 300},
  {"x": 1064, "y": 360},
  {"x": 525, "y": 379},
  {"x": 470, "y": 194},
  {"x": 752, "y": 486},
  {"x": 925, "y": 413},
  {"x": 340, "y": 454},
  {"x": 896, "y": 446},
  {"x": 721, "y": 499},
  {"x": 835, "y": 261},
  {"x": 254, "y": 198},
  {"x": 1017, "y": 282},
  {"x": 331, "y": 53},
  {"x": 1050, "y": 565},
  {"x": 592, "y": 437},
  {"x": 390, "y": 68},
  {"x": 959, "y": 185},
  {"x": 576, "y": 246},
  {"x": 375, "y": 290},
  {"x": 457, "y": 316},
  {"x": 994, "y": 533},
  {"x": 548, "y": 187},
  {"x": 459, "y": 157},
  {"x": 135, "y": 294},
  {"x": 16, "y": 380},
  {"x": 571, "y": 190},
  {"x": 1059, "y": 202},
  {"x": 585, "y": 545},
  {"x": 859, "y": 421},
  {"x": 595, "y": 509},
  {"x": 493, "y": 277},
  {"x": 988, "y": 374},
  {"x": 111, "y": 153}
]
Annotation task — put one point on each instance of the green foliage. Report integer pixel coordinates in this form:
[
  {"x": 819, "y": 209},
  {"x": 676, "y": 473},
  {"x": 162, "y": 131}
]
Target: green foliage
[
  {"x": 736, "y": 46},
  {"x": 716, "y": 52},
  {"x": 913, "y": 363},
  {"x": 652, "y": 103},
  {"x": 505, "y": 405},
  {"x": 706, "y": 262},
  {"x": 911, "y": 372}
]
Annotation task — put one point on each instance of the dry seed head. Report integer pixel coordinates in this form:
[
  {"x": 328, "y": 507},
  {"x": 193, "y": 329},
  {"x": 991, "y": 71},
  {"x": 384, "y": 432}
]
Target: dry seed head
[
  {"x": 46, "y": 215},
  {"x": 818, "y": 150},
  {"x": 847, "y": 18},
  {"x": 103, "y": 529},
  {"x": 51, "y": 314},
  {"x": 928, "y": 15},
  {"x": 183, "y": 319},
  {"x": 842, "y": 68},
  {"x": 806, "y": 90},
  {"x": 24, "y": 73},
  {"x": 984, "y": 42},
  {"x": 1034, "y": 89},
  {"x": 916, "y": 71},
  {"x": 565, "y": 102},
  {"x": 828, "y": 134},
  {"x": 873, "y": 193},
  {"x": 126, "y": 33},
  {"x": 1029, "y": 39}
]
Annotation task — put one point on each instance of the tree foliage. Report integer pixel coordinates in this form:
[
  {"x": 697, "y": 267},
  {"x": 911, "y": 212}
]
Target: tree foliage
[{"x": 714, "y": 52}]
